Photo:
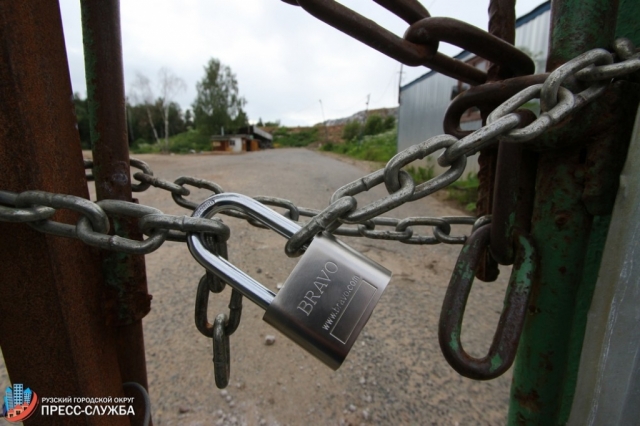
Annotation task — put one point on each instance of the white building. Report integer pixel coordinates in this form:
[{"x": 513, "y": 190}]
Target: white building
[{"x": 424, "y": 101}]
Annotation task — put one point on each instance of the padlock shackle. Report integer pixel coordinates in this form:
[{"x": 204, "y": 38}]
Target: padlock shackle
[{"x": 228, "y": 272}]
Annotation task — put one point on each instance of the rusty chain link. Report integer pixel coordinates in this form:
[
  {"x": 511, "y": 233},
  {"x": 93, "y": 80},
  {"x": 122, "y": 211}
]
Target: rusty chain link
[
  {"x": 507, "y": 335},
  {"x": 561, "y": 94},
  {"x": 421, "y": 40},
  {"x": 594, "y": 69}
]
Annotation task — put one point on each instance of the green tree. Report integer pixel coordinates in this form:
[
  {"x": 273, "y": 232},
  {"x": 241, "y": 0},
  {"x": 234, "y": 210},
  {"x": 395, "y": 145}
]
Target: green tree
[
  {"x": 218, "y": 103},
  {"x": 188, "y": 119},
  {"x": 142, "y": 130}
]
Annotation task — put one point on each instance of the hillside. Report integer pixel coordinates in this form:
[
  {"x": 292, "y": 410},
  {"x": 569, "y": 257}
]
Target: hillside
[{"x": 318, "y": 134}]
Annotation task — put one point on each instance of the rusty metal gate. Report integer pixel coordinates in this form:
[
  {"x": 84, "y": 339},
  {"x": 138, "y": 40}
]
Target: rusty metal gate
[{"x": 548, "y": 185}]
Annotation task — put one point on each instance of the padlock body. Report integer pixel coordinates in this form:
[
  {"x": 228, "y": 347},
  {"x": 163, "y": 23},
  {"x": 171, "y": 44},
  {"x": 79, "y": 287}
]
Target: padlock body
[{"x": 328, "y": 299}]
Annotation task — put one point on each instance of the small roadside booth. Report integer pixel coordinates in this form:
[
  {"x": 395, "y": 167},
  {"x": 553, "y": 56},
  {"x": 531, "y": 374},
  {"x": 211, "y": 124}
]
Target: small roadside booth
[{"x": 249, "y": 138}]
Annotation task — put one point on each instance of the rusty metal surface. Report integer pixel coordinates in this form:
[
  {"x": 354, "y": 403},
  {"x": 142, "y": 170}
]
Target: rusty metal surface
[
  {"x": 569, "y": 238},
  {"x": 420, "y": 43},
  {"x": 608, "y": 148},
  {"x": 52, "y": 286},
  {"x": 505, "y": 340},
  {"x": 502, "y": 25},
  {"x": 486, "y": 98},
  {"x": 368, "y": 32},
  {"x": 513, "y": 195},
  {"x": 125, "y": 277},
  {"x": 473, "y": 39}
]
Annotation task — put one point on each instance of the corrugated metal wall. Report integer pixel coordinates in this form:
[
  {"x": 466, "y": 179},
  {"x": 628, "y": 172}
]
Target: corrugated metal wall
[
  {"x": 424, "y": 101},
  {"x": 533, "y": 34}
]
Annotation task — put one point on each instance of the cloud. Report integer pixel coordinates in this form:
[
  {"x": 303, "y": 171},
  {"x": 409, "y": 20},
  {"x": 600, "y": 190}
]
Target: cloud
[{"x": 285, "y": 60}]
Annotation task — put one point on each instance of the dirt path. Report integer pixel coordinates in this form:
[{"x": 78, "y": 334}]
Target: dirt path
[{"x": 394, "y": 375}]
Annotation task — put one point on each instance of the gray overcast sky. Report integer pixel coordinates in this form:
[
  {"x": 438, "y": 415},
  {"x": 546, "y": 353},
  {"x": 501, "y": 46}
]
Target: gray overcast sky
[{"x": 285, "y": 60}]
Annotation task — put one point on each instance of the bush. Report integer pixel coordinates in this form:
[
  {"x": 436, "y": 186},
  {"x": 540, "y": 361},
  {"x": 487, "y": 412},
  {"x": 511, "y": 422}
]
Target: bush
[
  {"x": 143, "y": 147},
  {"x": 389, "y": 122},
  {"x": 351, "y": 130},
  {"x": 374, "y": 125},
  {"x": 327, "y": 147},
  {"x": 372, "y": 148},
  {"x": 182, "y": 143},
  {"x": 298, "y": 137}
]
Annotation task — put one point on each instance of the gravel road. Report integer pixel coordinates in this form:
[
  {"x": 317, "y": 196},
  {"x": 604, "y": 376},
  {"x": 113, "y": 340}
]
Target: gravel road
[{"x": 395, "y": 374}]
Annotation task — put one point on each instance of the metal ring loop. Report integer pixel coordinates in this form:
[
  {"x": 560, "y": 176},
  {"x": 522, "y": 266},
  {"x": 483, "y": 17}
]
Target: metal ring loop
[
  {"x": 505, "y": 340},
  {"x": 472, "y": 39},
  {"x": 221, "y": 352},
  {"x": 20, "y": 215},
  {"x": 198, "y": 183},
  {"x": 477, "y": 140},
  {"x": 86, "y": 233},
  {"x": 549, "y": 93},
  {"x": 317, "y": 224},
  {"x": 563, "y": 108},
  {"x": 161, "y": 183},
  {"x": 91, "y": 211},
  {"x": 422, "y": 221},
  {"x": 184, "y": 224},
  {"x": 365, "y": 230},
  {"x": 202, "y": 304},
  {"x": 235, "y": 313},
  {"x": 377, "y": 207},
  {"x": 140, "y": 165}
]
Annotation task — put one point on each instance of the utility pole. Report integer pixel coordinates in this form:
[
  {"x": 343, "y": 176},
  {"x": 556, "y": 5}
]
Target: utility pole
[
  {"x": 364, "y": 119},
  {"x": 400, "y": 82}
]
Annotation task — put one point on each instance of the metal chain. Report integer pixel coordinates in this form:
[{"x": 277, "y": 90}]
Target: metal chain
[
  {"x": 593, "y": 70},
  {"x": 421, "y": 40},
  {"x": 502, "y": 124},
  {"x": 562, "y": 93}
]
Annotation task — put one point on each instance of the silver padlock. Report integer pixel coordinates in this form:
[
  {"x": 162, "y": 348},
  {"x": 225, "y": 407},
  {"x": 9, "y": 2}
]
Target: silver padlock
[{"x": 327, "y": 299}]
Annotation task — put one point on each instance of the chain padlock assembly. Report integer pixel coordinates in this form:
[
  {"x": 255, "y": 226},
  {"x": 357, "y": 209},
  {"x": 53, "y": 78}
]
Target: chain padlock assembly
[{"x": 327, "y": 299}]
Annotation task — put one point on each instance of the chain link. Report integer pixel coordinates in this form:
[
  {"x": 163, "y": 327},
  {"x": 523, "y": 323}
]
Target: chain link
[
  {"x": 593, "y": 68},
  {"x": 562, "y": 93},
  {"x": 420, "y": 43}
]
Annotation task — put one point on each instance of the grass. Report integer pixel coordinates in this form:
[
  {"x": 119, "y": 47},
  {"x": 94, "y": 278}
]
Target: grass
[
  {"x": 295, "y": 137},
  {"x": 465, "y": 191},
  {"x": 382, "y": 148},
  {"x": 379, "y": 147},
  {"x": 181, "y": 143}
]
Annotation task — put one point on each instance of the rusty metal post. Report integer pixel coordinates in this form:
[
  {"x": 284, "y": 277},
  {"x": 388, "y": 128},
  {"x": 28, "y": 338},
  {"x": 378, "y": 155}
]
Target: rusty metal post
[
  {"x": 53, "y": 332},
  {"x": 125, "y": 278},
  {"x": 570, "y": 222},
  {"x": 502, "y": 24}
]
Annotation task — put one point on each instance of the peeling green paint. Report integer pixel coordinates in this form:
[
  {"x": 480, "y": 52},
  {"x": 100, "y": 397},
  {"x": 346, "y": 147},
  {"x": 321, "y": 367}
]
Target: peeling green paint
[
  {"x": 496, "y": 362},
  {"x": 627, "y": 24},
  {"x": 455, "y": 339},
  {"x": 565, "y": 234}
]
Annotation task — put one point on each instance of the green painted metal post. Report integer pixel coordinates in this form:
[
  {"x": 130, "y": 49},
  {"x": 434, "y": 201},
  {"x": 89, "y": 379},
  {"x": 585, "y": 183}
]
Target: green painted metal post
[{"x": 569, "y": 228}]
